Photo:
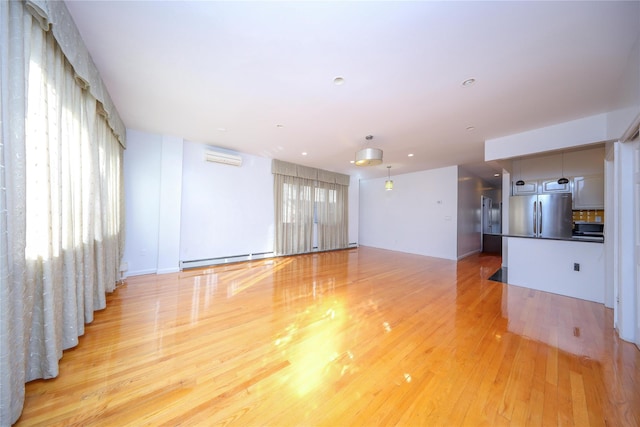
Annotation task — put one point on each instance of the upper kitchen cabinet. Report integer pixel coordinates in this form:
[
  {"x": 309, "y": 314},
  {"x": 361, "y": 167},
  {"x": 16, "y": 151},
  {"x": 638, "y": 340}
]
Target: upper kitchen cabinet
[
  {"x": 549, "y": 186},
  {"x": 526, "y": 189},
  {"x": 588, "y": 192},
  {"x": 544, "y": 186},
  {"x": 583, "y": 167}
]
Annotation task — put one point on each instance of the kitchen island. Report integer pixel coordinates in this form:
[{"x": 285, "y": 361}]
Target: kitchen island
[{"x": 570, "y": 267}]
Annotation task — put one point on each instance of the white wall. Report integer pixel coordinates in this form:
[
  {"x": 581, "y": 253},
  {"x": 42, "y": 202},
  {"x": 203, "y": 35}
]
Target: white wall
[
  {"x": 226, "y": 210},
  {"x": 609, "y": 225},
  {"x": 169, "y": 208},
  {"x": 418, "y": 216},
  {"x": 142, "y": 167},
  {"x": 180, "y": 208},
  {"x": 575, "y": 133},
  {"x": 506, "y": 193},
  {"x": 628, "y": 96},
  {"x": 469, "y": 213},
  {"x": 354, "y": 210}
]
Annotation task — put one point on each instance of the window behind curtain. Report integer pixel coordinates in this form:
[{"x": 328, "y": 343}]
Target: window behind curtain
[
  {"x": 332, "y": 202},
  {"x": 306, "y": 203},
  {"x": 293, "y": 215},
  {"x": 61, "y": 194}
]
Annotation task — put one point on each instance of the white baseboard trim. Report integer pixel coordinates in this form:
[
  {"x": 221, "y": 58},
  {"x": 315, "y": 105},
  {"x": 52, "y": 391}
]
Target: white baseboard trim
[
  {"x": 225, "y": 260},
  {"x": 140, "y": 272}
]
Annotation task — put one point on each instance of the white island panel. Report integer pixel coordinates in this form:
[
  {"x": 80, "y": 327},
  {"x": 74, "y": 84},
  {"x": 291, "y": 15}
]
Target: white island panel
[{"x": 548, "y": 265}]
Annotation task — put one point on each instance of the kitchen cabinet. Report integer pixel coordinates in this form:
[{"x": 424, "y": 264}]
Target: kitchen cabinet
[
  {"x": 571, "y": 268},
  {"x": 551, "y": 186},
  {"x": 544, "y": 186},
  {"x": 529, "y": 188},
  {"x": 588, "y": 192}
]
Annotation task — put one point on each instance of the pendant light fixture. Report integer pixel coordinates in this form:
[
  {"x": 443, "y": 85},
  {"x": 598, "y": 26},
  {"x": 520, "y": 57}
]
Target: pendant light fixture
[
  {"x": 368, "y": 156},
  {"x": 563, "y": 180},
  {"x": 388, "y": 184},
  {"x": 520, "y": 182}
]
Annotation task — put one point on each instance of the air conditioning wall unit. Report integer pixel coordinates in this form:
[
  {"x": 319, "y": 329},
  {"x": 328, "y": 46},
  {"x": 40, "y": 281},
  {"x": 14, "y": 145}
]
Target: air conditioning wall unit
[{"x": 224, "y": 158}]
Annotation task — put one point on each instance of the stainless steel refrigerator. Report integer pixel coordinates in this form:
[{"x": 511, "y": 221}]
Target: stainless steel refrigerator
[{"x": 542, "y": 215}]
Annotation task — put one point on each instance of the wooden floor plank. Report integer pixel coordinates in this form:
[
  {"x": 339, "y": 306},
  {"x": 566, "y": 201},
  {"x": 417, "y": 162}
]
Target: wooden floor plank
[{"x": 355, "y": 337}]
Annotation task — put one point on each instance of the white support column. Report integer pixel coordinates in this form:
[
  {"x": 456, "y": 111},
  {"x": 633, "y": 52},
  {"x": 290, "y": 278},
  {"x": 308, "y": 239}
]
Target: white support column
[
  {"x": 636, "y": 216},
  {"x": 625, "y": 304},
  {"x": 170, "y": 205}
]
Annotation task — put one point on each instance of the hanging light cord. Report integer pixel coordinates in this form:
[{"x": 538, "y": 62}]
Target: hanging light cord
[{"x": 563, "y": 180}]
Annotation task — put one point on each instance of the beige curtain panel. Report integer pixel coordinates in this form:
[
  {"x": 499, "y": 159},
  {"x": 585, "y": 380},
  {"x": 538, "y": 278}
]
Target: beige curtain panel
[
  {"x": 310, "y": 204},
  {"x": 293, "y": 215},
  {"x": 332, "y": 207}
]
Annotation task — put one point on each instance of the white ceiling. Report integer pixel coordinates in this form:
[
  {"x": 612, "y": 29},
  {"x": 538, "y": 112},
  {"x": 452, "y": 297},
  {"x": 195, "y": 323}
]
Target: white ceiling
[{"x": 257, "y": 77}]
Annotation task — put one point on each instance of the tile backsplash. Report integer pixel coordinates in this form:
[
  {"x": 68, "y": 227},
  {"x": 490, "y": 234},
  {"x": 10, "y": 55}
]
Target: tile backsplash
[{"x": 588, "y": 215}]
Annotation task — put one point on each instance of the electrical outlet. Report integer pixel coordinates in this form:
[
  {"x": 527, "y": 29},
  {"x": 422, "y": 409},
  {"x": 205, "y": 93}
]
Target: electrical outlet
[{"x": 576, "y": 266}]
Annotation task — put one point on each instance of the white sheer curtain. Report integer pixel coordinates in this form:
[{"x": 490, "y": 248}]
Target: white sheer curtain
[
  {"x": 61, "y": 205},
  {"x": 332, "y": 207},
  {"x": 293, "y": 214},
  {"x": 15, "y": 29}
]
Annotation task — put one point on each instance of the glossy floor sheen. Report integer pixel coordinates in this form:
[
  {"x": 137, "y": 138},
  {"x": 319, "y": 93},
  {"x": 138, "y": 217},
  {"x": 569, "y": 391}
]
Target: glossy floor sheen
[{"x": 355, "y": 337}]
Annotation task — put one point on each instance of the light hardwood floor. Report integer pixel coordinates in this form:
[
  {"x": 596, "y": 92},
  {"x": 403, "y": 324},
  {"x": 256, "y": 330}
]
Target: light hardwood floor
[{"x": 355, "y": 337}]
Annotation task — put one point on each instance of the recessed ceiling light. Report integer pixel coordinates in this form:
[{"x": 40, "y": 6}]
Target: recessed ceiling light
[
  {"x": 352, "y": 161},
  {"x": 410, "y": 155},
  {"x": 304, "y": 153},
  {"x": 222, "y": 129},
  {"x": 338, "y": 81},
  {"x": 496, "y": 174},
  {"x": 470, "y": 128},
  {"x": 468, "y": 82}
]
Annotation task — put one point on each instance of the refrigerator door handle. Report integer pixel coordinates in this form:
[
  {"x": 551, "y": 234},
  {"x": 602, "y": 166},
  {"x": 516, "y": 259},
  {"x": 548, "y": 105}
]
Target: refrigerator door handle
[
  {"x": 535, "y": 219},
  {"x": 540, "y": 218}
]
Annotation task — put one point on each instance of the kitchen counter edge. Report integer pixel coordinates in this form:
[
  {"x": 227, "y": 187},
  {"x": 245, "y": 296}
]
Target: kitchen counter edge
[{"x": 566, "y": 239}]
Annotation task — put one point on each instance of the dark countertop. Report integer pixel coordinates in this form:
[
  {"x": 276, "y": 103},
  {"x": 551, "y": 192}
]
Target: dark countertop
[{"x": 588, "y": 239}]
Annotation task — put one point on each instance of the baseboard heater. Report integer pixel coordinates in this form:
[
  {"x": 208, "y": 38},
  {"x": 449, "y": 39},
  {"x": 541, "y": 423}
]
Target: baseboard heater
[
  {"x": 224, "y": 260},
  {"x": 197, "y": 263}
]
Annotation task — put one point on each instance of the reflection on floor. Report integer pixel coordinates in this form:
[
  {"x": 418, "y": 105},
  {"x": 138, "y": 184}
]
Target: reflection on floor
[
  {"x": 500, "y": 275},
  {"x": 362, "y": 336}
]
